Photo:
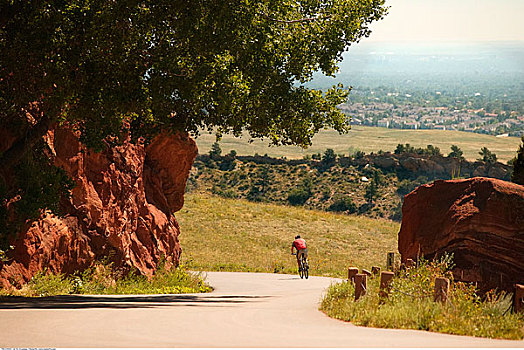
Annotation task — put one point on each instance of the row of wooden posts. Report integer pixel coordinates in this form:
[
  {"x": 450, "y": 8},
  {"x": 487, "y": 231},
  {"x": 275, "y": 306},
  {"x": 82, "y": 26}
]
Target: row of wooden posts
[
  {"x": 441, "y": 284},
  {"x": 360, "y": 279}
]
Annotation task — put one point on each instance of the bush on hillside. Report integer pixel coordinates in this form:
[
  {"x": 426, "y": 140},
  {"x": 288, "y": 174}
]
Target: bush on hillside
[
  {"x": 396, "y": 214},
  {"x": 300, "y": 194},
  {"x": 225, "y": 193},
  {"x": 343, "y": 204},
  {"x": 406, "y": 186}
]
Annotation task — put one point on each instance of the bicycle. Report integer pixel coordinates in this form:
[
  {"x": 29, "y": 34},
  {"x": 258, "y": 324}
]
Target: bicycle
[{"x": 303, "y": 268}]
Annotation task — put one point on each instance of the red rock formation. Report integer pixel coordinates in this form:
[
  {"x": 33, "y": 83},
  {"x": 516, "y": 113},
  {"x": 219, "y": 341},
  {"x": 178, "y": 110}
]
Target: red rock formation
[
  {"x": 479, "y": 220},
  {"x": 121, "y": 207}
]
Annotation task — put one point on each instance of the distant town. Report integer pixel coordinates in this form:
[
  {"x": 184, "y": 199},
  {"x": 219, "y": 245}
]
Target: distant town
[
  {"x": 409, "y": 116},
  {"x": 474, "y": 88}
]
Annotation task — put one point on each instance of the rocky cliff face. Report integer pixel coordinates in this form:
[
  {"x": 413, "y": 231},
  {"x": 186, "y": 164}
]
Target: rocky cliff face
[
  {"x": 479, "y": 220},
  {"x": 121, "y": 208}
]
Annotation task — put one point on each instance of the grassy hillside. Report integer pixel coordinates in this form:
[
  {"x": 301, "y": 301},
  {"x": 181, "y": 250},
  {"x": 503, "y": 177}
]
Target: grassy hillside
[
  {"x": 371, "y": 139},
  {"x": 238, "y": 235}
]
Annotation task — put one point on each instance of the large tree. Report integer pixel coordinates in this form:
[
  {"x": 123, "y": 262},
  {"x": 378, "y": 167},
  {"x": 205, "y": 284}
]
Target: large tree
[{"x": 101, "y": 66}]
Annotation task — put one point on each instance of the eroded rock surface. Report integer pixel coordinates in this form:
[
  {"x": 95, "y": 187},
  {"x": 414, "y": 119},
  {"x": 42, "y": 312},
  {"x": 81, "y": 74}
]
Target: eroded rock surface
[
  {"x": 479, "y": 220},
  {"x": 121, "y": 208}
]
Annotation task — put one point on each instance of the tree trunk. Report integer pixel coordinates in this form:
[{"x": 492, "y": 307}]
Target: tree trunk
[{"x": 13, "y": 155}]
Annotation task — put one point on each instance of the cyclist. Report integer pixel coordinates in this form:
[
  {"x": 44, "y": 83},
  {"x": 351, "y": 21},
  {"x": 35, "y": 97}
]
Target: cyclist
[{"x": 300, "y": 245}]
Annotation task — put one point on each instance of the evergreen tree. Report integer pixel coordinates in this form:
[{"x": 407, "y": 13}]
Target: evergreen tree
[
  {"x": 371, "y": 192},
  {"x": 329, "y": 158},
  {"x": 215, "y": 151},
  {"x": 456, "y": 152},
  {"x": 518, "y": 165},
  {"x": 400, "y": 149},
  {"x": 487, "y": 156}
]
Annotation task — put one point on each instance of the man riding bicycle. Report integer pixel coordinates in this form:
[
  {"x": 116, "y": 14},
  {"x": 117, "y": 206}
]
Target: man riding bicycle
[{"x": 300, "y": 245}]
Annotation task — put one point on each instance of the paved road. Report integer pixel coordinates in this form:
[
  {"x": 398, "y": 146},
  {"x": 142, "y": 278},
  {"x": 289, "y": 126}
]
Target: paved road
[{"x": 245, "y": 310}]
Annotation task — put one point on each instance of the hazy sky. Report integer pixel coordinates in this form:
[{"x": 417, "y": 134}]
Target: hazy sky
[{"x": 451, "y": 20}]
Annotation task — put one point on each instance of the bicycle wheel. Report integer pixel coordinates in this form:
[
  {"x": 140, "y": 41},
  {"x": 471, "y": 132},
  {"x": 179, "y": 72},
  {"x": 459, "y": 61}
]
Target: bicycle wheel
[
  {"x": 301, "y": 270},
  {"x": 305, "y": 267}
]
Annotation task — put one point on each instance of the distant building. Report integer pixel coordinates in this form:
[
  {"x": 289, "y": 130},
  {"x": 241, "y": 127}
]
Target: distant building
[
  {"x": 384, "y": 123},
  {"x": 411, "y": 125}
]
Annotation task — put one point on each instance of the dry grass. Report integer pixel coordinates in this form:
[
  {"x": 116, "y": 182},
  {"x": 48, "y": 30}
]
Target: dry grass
[
  {"x": 237, "y": 235},
  {"x": 371, "y": 139}
]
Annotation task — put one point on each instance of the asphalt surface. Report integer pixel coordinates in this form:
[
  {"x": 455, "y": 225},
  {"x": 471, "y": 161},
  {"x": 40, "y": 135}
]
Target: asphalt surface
[{"x": 245, "y": 310}]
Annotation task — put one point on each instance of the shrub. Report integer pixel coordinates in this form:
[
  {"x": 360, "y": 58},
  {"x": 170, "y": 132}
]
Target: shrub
[
  {"x": 102, "y": 279},
  {"x": 298, "y": 196},
  {"x": 406, "y": 186},
  {"x": 343, "y": 204},
  {"x": 396, "y": 214},
  {"x": 359, "y": 155},
  {"x": 302, "y": 193},
  {"x": 45, "y": 284}
]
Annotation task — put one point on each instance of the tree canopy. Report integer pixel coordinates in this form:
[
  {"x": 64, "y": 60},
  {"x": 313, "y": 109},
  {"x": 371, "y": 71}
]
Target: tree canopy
[
  {"x": 228, "y": 65},
  {"x": 102, "y": 67}
]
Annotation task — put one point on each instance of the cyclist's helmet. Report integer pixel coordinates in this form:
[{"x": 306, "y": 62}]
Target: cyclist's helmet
[{"x": 297, "y": 236}]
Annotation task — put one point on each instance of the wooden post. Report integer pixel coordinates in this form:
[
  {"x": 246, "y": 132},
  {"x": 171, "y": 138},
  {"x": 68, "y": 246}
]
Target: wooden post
[
  {"x": 390, "y": 261},
  {"x": 360, "y": 285},
  {"x": 441, "y": 289},
  {"x": 366, "y": 272},
  {"x": 518, "y": 301},
  {"x": 385, "y": 282},
  {"x": 375, "y": 270},
  {"x": 410, "y": 263},
  {"x": 352, "y": 271}
]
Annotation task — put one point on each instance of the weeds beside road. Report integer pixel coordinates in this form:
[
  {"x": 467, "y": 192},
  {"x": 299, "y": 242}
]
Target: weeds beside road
[
  {"x": 101, "y": 279},
  {"x": 410, "y": 305}
]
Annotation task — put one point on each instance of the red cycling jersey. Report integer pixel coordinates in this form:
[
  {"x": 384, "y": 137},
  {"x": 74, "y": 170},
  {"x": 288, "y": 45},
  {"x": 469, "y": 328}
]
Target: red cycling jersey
[{"x": 299, "y": 243}]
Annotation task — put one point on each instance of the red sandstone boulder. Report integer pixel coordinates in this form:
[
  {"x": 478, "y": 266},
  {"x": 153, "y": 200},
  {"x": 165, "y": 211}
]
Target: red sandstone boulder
[
  {"x": 421, "y": 165},
  {"x": 479, "y": 220},
  {"x": 385, "y": 162},
  {"x": 121, "y": 208}
]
